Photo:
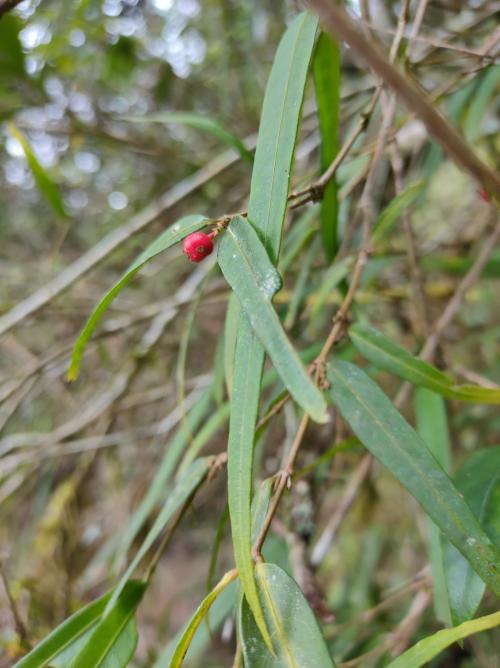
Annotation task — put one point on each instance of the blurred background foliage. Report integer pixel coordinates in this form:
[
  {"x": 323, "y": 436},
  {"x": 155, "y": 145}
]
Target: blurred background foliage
[{"x": 77, "y": 460}]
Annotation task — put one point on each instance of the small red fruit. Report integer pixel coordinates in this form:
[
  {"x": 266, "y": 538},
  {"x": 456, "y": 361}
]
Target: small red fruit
[{"x": 197, "y": 246}]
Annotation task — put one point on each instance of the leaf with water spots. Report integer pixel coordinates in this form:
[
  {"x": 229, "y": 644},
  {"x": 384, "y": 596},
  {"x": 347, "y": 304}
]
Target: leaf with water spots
[
  {"x": 384, "y": 431},
  {"x": 254, "y": 279}
]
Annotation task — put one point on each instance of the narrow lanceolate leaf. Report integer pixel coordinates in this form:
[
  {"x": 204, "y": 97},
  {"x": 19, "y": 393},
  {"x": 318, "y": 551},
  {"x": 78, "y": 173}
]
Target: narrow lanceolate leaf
[
  {"x": 425, "y": 650},
  {"x": 278, "y": 131},
  {"x": 113, "y": 641},
  {"x": 204, "y": 123},
  {"x": 266, "y": 210},
  {"x": 296, "y": 635},
  {"x": 193, "y": 477},
  {"x": 383, "y": 431},
  {"x": 167, "y": 239},
  {"x": 395, "y": 208},
  {"x": 43, "y": 180},
  {"x": 65, "y": 636},
  {"x": 432, "y": 427},
  {"x": 197, "y": 618},
  {"x": 221, "y": 609},
  {"x": 158, "y": 486},
  {"x": 390, "y": 356},
  {"x": 490, "y": 80},
  {"x": 478, "y": 479},
  {"x": 254, "y": 279},
  {"x": 326, "y": 68}
]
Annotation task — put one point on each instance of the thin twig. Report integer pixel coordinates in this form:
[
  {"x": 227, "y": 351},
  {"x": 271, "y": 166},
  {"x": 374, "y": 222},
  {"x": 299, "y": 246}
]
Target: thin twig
[
  {"x": 415, "y": 98},
  {"x": 18, "y": 622}
]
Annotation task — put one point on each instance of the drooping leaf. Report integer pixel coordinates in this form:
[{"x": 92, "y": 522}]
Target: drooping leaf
[
  {"x": 65, "y": 636},
  {"x": 248, "y": 269},
  {"x": 266, "y": 210},
  {"x": 297, "y": 638},
  {"x": 383, "y": 431},
  {"x": 327, "y": 72},
  {"x": 432, "y": 427},
  {"x": 113, "y": 641},
  {"x": 425, "y": 650},
  {"x": 193, "y": 477},
  {"x": 166, "y": 240},
  {"x": 197, "y": 618},
  {"x": 157, "y": 487},
  {"x": 199, "y": 122},
  {"x": 220, "y": 609},
  {"x": 478, "y": 479},
  {"x": 390, "y": 356},
  {"x": 43, "y": 180}
]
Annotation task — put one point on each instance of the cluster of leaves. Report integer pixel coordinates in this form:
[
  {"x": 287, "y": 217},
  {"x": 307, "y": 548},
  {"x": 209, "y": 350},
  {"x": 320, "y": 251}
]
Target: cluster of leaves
[{"x": 275, "y": 623}]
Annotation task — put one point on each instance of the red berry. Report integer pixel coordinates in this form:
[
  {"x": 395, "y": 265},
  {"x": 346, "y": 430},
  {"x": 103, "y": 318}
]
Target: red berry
[{"x": 197, "y": 246}]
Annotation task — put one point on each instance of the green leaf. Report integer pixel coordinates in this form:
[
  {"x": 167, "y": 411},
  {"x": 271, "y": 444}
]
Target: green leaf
[
  {"x": 425, "y": 650},
  {"x": 11, "y": 52},
  {"x": 278, "y": 131},
  {"x": 42, "y": 178},
  {"x": 381, "y": 429},
  {"x": 488, "y": 86},
  {"x": 432, "y": 427},
  {"x": 395, "y": 208},
  {"x": 66, "y": 635},
  {"x": 197, "y": 618},
  {"x": 478, "y": 479},
  {"x": 217, "y": 420},
  {"x": 335, "y": 274},
  {"x": 390, "y": 356},
  {"x": 200, "y": 123},
  {"x": 188, "y": 484},
  {"x": 166, "y": 240},
  {"x": 158, "y": 486},
  {"x": 260, "y": 505},
  {"x": 327, "y": 72},
  {"x": 113, "y": 641},
  {"x": 266, "y": 210},
  {"x": 248, "y": 269},
  {"x": 230, "y": 334},
  {"x": 221, "y": 608},
  {"x": 297, "y": 638}
]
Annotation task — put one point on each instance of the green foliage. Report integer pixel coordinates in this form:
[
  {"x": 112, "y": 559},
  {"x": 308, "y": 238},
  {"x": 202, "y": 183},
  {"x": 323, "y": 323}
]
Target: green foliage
[
  {"x": 45, "y": 183},
  {"x": 326, "y": 67},
  {"x": 430, "y": 647},
  {"x": 266, "y": 211},
  {"x": 171, "y": 236},
  {"x": 297, "y": 639},
  {"x": 97, "y": 490},
  {"x": 90, "y": 638},
  {"x": 199, "y": 122},
  {"x": 478, "y": 479},
  {"x": 389, "y": 356},
  {"x": 382, "y": 429},
  {"x": 432, "y": 427},
  {"x": 253, "y": 278}
]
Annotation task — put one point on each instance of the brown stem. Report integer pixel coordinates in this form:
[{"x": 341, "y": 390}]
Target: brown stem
[{"x": 338, "y": 23}]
